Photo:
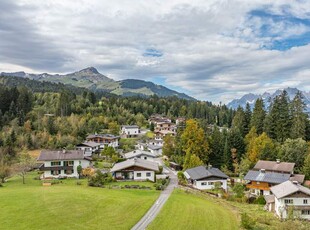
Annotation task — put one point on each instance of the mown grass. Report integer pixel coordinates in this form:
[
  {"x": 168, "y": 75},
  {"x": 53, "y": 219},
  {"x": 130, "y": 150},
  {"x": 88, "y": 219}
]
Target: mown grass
[
  {"x": 189, "y": 211},
  {"x": 70, "y": 206}
]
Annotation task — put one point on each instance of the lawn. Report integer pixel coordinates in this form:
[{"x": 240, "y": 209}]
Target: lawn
[
  {"x": 188, "y": 211},
  {"x": 70, "y": 206}
]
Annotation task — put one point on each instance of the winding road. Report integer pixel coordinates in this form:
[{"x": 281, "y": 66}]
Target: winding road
[{"x": 155, "y": 209}]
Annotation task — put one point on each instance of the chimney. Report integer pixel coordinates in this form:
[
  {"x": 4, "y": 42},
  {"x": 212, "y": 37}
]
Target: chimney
[
  {"x": 278, "y": 161},
  {"x": 135, "y": 159},
  {"x": 209, "y": 166},
  {"x": 262, "y": 170}
]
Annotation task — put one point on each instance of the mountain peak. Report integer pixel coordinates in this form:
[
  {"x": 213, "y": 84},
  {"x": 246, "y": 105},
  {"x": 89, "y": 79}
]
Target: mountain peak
[{"x": 92, "y": 70}]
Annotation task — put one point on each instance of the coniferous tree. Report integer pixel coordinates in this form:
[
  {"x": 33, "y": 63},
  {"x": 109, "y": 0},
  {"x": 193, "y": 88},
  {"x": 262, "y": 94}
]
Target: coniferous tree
[
  {"x": 238, "y": 122},
  {"x": 247, "y": 118},
  {"x": 280, "y": 118},
  {"x": 216, "y": 148},
  {"x": 299, "y": 118},
  {"x": 258, "y": 116}
]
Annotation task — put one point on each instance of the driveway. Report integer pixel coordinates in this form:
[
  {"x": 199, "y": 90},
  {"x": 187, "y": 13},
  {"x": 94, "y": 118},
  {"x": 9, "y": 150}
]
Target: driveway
[{"x": 155, "y": 209}]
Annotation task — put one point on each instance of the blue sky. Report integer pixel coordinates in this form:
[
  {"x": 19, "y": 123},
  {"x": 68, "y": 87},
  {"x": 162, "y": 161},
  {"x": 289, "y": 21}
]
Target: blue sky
[{"x": 214, "y": 50}]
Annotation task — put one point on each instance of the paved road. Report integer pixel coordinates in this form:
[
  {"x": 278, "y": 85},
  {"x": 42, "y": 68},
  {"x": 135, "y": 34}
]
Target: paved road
[{"x": 155, "y": 209}]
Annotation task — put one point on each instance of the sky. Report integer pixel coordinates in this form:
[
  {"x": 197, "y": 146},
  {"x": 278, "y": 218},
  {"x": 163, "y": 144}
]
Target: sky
[{"x": 211, "y": 50}]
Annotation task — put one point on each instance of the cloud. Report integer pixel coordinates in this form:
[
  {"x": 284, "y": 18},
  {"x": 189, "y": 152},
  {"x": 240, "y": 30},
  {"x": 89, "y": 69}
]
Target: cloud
[{"x": 214, "y": 50}]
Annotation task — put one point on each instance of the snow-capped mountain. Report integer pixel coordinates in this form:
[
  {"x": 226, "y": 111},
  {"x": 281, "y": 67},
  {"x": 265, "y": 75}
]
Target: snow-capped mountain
[{"x": 267, "y": 97}]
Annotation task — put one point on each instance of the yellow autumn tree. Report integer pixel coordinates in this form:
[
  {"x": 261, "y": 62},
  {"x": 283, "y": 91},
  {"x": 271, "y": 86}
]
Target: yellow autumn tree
[{"x": 194, "y": 141}]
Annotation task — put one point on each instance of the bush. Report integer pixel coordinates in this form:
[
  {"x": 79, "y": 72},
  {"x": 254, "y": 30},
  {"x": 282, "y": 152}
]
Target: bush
[
  {"x": 246, "y": 221},
  {"x": 260, "y": 200},
  {"x": 99, "y": 179}
]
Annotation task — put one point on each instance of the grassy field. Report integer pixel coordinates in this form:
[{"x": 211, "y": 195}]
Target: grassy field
[
  {"x": 188, "y": 211},
  {"x": 70, "y": 206}
]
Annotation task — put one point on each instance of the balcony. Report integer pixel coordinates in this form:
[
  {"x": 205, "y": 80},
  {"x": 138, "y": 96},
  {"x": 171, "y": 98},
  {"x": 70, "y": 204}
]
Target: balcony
[{"x": 42, "y": 168}]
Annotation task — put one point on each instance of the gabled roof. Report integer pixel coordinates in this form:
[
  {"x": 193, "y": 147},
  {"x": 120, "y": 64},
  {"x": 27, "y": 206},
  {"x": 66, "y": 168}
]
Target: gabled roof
[
  {"x": 51, "y": 155},
  {"x": 153, "y": 166},
  {"x": 275, "y": 166},
  {"x": 298, "y": 177},
  {"x": 269, "y": 177},
  {"x": 287, "y": 188},
  {"x": 104, "y": 136},
  {"x": 202, "y": 172},
  {"x": 138, "y": 153},
  {"x": 154, "y": 147},
  {"x": 89, "y": 144},
  {"x": 130, "y": 126}
]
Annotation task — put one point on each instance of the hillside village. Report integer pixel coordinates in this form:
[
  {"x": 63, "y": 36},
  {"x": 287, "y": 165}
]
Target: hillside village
[{"x": 283, "y": 190}]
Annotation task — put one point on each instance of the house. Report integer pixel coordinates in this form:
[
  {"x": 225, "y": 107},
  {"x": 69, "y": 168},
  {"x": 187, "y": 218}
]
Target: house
[
  {"x": 129, "y": 131},
  {"x": 159, "y": 135},
  {"x": 275, "y": 166},
  {"x": 175, "y": 166},
  {"x": 155, "y": 149},
  {"x": 140, "y": 154},
  {"x": 155, "y": 118},
  {"x": 62, "y": 163},
  {"x": 266, "y": 174},
  {"x": 180, "y": 121},
  {"x": 205, "y": 177},
  {"x": 89, "y": 148},
  {"x": 104, "y": 140},
  {"x": 287, "y": 197},
  {"x": 165, "y": 126},
  {"x": 261, "y": 181},
  {"x": 135, "y": 169}
]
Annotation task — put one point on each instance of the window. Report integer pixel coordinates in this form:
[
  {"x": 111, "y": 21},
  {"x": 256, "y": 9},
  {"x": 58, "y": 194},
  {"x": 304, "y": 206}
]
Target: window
[
  {"x": 288, "y": 201},
  {"x": 305, "y": 201},
  {"x": 145, "y": 158},
  {"x": 55, "y": 163},
  {"x": 305, "y": 212},
  {"x": 55, "y": 172},
  {"x": 68, "y": 163},
  {"x": 204, "y": 183},
  {"x": 138, "y": 174},
  {"x": 69, "y": 172},
  {"x": 211, "y": 183},
  {"x": 148, "y": 174}
]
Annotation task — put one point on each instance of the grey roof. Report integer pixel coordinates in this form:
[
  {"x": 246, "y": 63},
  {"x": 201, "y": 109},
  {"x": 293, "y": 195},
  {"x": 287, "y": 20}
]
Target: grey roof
[
  {"x": 269, "y": 177},
  {"x": 89, "y": 144},
  {"x": 106, "y": 136},
  {"x": 130, "y": 126},
  {"x": 298, "y": 177},
  {"x": 50, "y": 155},
  {"x": 269, "y": 198},
  {"x": 154, "y": 147},
  {"x": 275, "y": 166},
  {"x": 202, "y": 172},
  {"x": 287, "y": 188},
  {"x": 153, "y": 166},
  {"x": 137, "y": 153}
]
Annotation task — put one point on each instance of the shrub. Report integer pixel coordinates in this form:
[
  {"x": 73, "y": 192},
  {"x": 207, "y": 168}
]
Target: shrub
[
  {"x": 246, "y": 221},
  {"x": 260, "y": 200},
  {"x": 238, "y": 190},
  {"x": 99, "y": 179}
]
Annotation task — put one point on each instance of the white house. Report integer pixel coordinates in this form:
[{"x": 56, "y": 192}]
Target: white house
[
  {"x": 140, "y": 154},
  {"x": 289, "y": 197},
  {"x": 155, "y": 149},
  {"x": 89, "y": 148},
  {"x": 135, "y": 169},
  {"x": 129, "y": 131},
  {"x": 104, "y": 140},
  {"x": 204, "y": 178},
  {"x": 62, "y": 163}
]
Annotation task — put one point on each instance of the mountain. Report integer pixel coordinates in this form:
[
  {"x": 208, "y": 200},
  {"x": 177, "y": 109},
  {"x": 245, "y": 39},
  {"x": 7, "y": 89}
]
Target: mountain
[
  {"x": 91, "y": 79},
  {"x": 267, "y": 97}
]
